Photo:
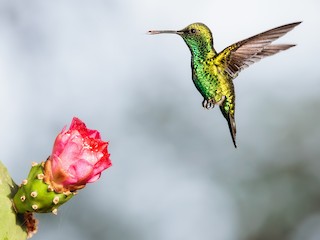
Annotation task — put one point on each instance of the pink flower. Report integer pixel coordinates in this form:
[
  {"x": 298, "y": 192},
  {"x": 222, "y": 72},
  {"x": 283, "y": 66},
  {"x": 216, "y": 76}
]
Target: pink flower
[{"x": 78, "y": 157}]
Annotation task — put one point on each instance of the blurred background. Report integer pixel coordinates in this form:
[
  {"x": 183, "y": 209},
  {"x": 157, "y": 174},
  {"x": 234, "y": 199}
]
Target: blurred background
[{"x": 175, "y": 173}]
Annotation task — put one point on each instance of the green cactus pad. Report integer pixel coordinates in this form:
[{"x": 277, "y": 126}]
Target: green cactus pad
[
  {"x": 34, "y": 195},
  {"x": 12, "y": 225}
]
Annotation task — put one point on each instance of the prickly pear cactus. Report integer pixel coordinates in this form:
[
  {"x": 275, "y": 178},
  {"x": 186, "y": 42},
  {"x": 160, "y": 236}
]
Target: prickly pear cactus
[
  {"x": 34, "y": 195},
  {"x": 11, "y": 224}
]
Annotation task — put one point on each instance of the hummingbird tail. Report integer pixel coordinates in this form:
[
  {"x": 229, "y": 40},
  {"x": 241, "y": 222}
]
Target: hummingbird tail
[{"x": 231, "y": 124}]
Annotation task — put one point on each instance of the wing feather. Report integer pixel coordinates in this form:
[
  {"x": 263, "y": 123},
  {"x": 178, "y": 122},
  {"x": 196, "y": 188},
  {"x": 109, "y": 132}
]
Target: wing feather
[{"x": 246, "y": 52}]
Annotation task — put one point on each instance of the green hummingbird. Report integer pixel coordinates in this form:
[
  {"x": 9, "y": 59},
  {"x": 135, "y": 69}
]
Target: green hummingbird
[{"x": 213, "y": 73}]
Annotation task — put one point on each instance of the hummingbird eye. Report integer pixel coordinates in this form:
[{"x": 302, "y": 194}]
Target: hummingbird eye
[{"x": 192, "y": 30}]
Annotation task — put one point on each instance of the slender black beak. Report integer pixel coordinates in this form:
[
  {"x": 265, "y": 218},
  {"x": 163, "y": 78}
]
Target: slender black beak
[{"x": 152, "y": 32}]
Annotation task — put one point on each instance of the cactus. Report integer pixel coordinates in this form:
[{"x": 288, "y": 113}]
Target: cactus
[
  {"x": 34, "y": 195},
  {"x": 79, "y": 156},
  {"x": 13, "y": 227}
]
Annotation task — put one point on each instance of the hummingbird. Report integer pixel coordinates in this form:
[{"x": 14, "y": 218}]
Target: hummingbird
[{"x": 213, "y": 73}]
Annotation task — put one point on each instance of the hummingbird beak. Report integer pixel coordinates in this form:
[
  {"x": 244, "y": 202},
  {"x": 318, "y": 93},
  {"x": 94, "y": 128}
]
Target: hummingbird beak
[{"x": 153, "y": 32}]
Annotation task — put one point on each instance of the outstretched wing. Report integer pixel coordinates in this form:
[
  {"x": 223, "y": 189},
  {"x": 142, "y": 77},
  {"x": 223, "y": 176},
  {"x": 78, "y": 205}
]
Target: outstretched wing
[{"x": 246, "y": 52}]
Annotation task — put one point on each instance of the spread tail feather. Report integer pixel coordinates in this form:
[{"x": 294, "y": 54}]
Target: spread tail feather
[{"x": 231, "y": 124}]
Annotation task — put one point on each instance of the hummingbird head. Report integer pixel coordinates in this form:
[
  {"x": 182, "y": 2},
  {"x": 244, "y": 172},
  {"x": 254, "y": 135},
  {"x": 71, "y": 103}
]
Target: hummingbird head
[{"x": 197, "y": 36}]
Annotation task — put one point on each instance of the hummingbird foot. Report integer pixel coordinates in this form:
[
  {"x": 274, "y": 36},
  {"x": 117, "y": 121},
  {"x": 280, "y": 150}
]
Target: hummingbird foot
[
  {"x": 208, "y": 103},
  {"x": 221, "y": 100}
]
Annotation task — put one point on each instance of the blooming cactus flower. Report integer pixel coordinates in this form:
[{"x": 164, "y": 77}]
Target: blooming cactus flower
[{"x": 78, "y": 157}]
